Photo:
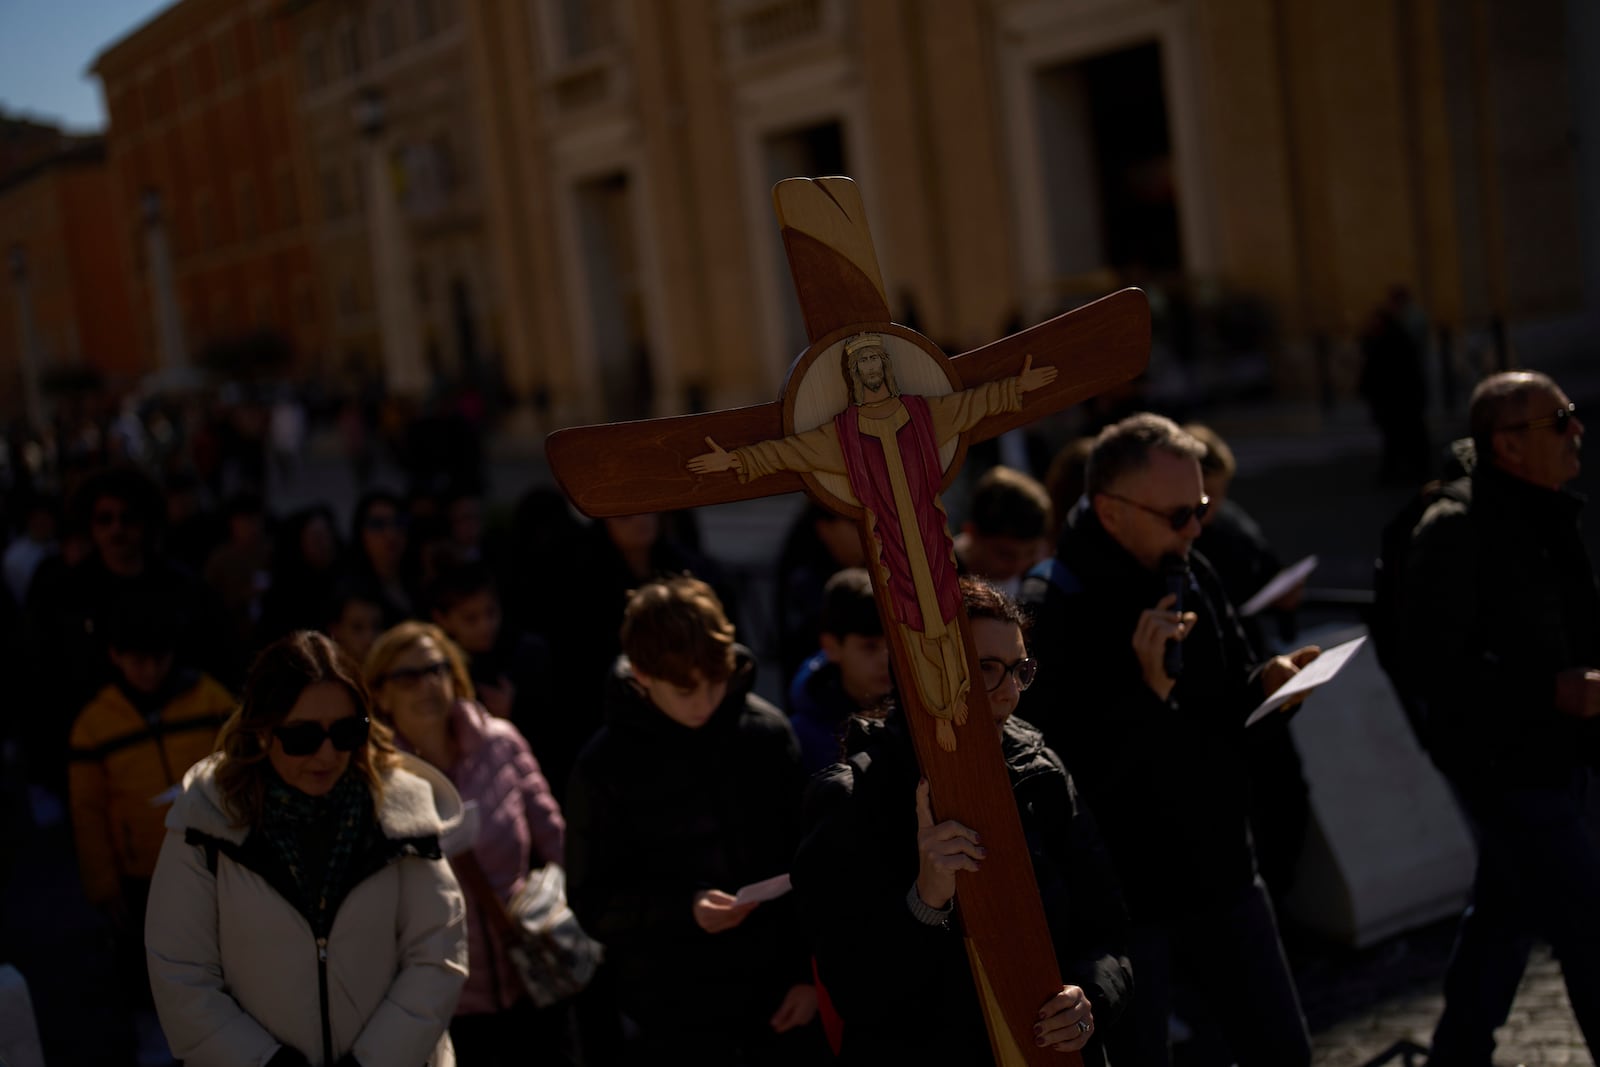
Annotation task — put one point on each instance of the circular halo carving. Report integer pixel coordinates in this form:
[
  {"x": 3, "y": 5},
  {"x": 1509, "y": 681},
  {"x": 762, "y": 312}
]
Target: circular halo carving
[{"x": 815, "y": 392}]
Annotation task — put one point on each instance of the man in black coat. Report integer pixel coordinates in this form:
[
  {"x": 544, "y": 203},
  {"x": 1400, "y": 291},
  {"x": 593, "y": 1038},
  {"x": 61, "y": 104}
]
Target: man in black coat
[
  {"x": 1161, "y": 759},
  {"x": 1502, "y": 618},
  {"x": 689, "y": 792},
  {"x": 876, "y": 878}
]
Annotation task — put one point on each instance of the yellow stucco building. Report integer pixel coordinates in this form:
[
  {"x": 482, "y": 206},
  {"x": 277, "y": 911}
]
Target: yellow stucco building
[{"x": 1300, "y": 157}]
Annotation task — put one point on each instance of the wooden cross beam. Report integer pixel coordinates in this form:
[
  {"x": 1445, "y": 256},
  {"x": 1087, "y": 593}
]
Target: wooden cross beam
[{"x": 873, "y": 422}]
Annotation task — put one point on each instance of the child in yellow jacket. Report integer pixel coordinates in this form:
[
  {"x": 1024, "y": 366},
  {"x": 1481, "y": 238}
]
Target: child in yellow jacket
[{"x": 128, "y": 752}]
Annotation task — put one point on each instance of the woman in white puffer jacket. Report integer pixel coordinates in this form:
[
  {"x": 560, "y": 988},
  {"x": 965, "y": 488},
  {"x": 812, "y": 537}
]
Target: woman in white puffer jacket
[{"x": 302, "y": 912}]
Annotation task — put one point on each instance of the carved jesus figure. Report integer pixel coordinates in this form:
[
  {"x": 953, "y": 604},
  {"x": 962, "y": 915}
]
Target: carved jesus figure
[{"x": 887, "y": 446}]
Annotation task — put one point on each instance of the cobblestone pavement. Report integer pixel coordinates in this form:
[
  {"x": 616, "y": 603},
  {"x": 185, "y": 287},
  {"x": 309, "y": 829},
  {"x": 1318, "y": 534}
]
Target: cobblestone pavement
[{"x": 1541, "y": 1031}]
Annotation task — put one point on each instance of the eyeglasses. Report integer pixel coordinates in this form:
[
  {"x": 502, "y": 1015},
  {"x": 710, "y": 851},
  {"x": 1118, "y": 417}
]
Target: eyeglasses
[
  {"x": 384, "y": 523},
  {"x": 995, "y": 671},
  {"x": 305, "y": 738},
  {"x": 1559, "y": 420},
  {"x": 411, "y": 677},
  {"x": 1178, "y": 518}
]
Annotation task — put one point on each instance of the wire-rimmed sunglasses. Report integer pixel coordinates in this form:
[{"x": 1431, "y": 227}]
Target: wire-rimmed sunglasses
[
  {"x": 1178, "y": 518},
  {"x": 1024, "y": 670},
  {"x": 305, "y": 738},
  {"x": 1560, "y": 421}
]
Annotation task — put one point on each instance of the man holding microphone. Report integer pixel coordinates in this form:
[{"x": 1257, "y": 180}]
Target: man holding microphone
[{"x": 1147, "y": 679}]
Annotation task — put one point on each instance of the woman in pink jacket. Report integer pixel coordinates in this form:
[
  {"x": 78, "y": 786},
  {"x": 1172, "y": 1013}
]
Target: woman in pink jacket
[{"x": 421, "y": 687}]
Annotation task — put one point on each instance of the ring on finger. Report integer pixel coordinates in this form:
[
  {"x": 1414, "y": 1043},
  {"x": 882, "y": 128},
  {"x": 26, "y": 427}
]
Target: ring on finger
[{"x": 1084, "y": 1026}]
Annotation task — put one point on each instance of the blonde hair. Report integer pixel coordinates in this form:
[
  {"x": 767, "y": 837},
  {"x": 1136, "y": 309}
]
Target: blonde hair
[
  {"x": 394, "y": 641},
  {"x": 284, "y": 671}
]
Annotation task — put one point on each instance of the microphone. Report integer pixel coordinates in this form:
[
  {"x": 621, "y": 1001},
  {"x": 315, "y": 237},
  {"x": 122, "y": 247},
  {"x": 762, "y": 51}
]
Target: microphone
[{"x": 1175, "y": 570}]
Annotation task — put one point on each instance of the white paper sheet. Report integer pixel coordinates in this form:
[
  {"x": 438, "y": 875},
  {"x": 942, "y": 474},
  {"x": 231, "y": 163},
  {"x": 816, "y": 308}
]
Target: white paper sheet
[
  {"x": 1281, "y": 583},
  {"x": 767, "y": 889},
  {"x": 1313, "y": 674}
]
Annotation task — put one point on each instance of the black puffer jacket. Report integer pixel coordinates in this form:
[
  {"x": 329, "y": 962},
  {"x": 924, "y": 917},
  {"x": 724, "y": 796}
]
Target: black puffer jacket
[
  {"x": 1500, "y": 597},
  {"x": 904, "y": 989},
  {"x": 657, "y": 812},
  {"x": 1167, "y": 779}
]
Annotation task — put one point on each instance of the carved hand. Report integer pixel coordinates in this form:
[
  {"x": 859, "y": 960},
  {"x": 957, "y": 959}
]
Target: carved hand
[
  {"x": 1031, "y": 378},
  {"x": 717, "y": 460}
]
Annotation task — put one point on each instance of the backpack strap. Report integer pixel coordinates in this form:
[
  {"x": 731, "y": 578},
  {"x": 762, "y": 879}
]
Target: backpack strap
[{"x": 210, "y": 844}]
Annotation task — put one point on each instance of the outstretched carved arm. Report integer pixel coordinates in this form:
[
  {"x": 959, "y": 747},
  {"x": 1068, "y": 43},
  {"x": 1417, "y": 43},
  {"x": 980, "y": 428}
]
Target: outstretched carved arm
[{"x": 716, "y": 461}]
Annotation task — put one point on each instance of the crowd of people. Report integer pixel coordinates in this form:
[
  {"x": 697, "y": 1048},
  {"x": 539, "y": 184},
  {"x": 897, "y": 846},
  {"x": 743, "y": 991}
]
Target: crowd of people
[{"x": 308, "y": 769}]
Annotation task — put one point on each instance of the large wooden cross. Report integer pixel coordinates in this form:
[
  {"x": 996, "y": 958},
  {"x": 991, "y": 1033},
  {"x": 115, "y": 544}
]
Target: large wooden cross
[{"x": 874, "y": 422}]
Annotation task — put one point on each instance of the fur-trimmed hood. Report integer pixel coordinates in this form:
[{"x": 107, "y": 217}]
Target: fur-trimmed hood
[{"x": 417, "y": 801}]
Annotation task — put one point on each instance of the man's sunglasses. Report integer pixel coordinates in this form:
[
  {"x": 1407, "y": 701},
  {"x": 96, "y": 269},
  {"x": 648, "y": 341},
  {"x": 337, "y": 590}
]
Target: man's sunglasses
[
  {"x": 995, "y": 671},
  {"x": 1177, "y": 517},
  {"x": 305, "y": 738},
  {"x": 1559, "y": 420}
]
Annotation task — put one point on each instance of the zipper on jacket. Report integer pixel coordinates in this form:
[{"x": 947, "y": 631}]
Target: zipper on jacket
[{"x": 322, "y": 988}]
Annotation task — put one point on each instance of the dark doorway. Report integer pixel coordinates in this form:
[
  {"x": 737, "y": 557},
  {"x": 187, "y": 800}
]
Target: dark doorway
[
  {"x": 1108, "y": 169},
  {"x": 616, "y": 295}
]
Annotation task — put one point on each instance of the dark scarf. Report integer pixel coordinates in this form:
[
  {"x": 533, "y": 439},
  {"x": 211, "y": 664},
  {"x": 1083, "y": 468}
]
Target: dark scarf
[{"x": 318, "y": 839}]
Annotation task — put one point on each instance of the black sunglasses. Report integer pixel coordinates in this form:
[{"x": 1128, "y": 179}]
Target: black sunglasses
[
  {"x": 411, "y": 677},
  {"x": 1559, "y": 420},
  {"x": 305, "y": 738},
  {"x": 994, "y": 672},
  {"x": 1177, "y": 517}
]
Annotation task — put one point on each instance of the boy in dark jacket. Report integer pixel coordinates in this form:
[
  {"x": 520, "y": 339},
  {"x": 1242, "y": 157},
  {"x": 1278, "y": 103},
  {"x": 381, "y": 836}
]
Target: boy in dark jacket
[
  {"x": 850, "y": 674},
  {"x": 689, "y": 792}
]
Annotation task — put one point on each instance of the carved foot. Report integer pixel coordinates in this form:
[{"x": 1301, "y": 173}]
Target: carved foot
[{"x": 946, "y": 735}]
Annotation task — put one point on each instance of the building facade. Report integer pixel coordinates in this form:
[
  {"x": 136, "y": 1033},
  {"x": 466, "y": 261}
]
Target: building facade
[
  {"x": 1280, "y": 163},
  {"x": 388, "y": 112},
  {"x": 66, "y": 315},
  {"x": 210, "y": 173}
]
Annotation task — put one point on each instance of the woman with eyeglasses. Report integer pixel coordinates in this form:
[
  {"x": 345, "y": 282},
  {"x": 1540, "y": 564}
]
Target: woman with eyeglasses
[
  {"x": 420, "y": 681},
  {"x": 877, "y": 880},
  {"x": 301, "y": 910}
]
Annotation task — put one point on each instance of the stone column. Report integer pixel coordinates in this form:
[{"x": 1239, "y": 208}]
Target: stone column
[
  {"x": 405, "y": 375},
  {"x": 172, "y": 356}
]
